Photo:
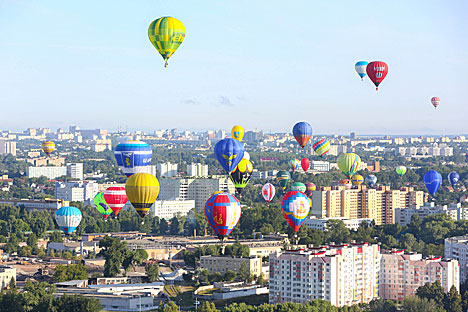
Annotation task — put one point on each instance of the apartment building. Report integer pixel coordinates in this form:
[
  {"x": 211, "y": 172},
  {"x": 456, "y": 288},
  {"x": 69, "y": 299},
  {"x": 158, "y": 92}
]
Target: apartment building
[{"x": 222, "y": 264}]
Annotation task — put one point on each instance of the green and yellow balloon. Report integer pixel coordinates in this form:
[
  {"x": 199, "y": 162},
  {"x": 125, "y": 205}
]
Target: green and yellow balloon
[
  {"x": 240, "y": 176},
  {"x": 166, "y": 34},
  {"x": 349, "y": 163}
]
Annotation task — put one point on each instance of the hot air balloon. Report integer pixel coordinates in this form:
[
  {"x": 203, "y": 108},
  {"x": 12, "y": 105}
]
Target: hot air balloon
[
  {"x": 321, "y": 147},
  {"x": 223, "y": 211},
  {"x": 166, "y": 34},
  {"x": 229, "y": 153},
  {"x": 453, "y": 178},
  {"x": 116, "y": 198},
  {"x": 293, "y": 163},
  {"x": 295, "y": 207},
  {"x": 48, "y": 147},
  {"x": 371, "y": 180},
  {"x": 101, "y": 205},
  {"x": 310, "y": 187},
  {"x": 432, "y": 180},
  {"x": 268, "y": 192},
  {"x": 435, "y": 101},
  {"x": 302, "y": 131},
  {"x": 68, "y": 219},
  {"x": 237, "y": 133},
  {"x": 346, "y": 182},
  {"x": 377, "y": 71},
  {"x": 241, "y": 174},
  {"x": 283, "y": 177},
  {"x": 349, "y": 163},
  {"x": 133, "y": 157},
  {"x": 142, "y": 190},
  {"x": 400, "y": 170},
  {"x": 360, "y": 68},
  {"x": 357, "y": 179},
  {"x": 305, "y": 164},
  {"x": 298, "y": 186},
  {"x": 246, "y": 155}
]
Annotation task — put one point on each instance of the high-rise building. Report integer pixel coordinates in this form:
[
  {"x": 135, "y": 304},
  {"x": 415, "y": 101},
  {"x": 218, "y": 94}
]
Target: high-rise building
[
  {"x": 457, "y": 248},
  {"x": 82, "y": 191},
  {"x": 336, "y": 150},
  {"x": 402, "y": 274},
  {"x": 197, "y": 170},
  {"x": 75, "y": 171},
  {"x": 344, "y": 274},
  {"x": 403, "y": 215},
  {"x": 48, "y": 172},
  {"x": 167, "y": 170},
  {"x": 7, "y": 147},
  {"x": 167, "y": 209},
  {"x": 353, "y": 136}
]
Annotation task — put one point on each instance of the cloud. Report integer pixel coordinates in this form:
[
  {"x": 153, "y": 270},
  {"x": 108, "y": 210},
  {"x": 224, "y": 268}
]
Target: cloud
[
  {"x": 191, "y": 102},
  {"x": 224, "y": 101}
]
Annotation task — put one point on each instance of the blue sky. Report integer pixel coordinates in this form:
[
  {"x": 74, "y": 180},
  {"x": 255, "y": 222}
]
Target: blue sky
[{"x": 261, "y": 64}]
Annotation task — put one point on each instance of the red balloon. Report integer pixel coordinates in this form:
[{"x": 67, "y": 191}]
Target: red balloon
[
  {"x": 305, "y": 164},
  {"x": 377, "y": 71},
  {"x": 116, "y": 198}
]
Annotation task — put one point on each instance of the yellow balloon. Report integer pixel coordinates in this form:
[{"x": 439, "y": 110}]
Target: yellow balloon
[
  {"x": 142, "y": 190},
  {"x": 237, "y": 133},
  {"x": 166, "y": 34},
  {"x": 48, "y": 147}
]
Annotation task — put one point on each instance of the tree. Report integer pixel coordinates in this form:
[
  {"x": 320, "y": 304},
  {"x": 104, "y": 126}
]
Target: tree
[
  {"x": 453, "y": 301},
  {"x": 56, "y": 237},
  {"x": 174, "y": 228},
  {"x": 32, "y": 240},
  {"x": 152, "y": 271},
  {"x": 134, "y": 258},
  {"x": 12, "y": 284},
  {"x": 432, "y": 291},
  {"x": 208, "y": 307},
  {"x": 417, "y": 304},
  {"x": 77, "y": 303},
  {"x": 70, "y": 272},
  {"x": 38, "y": 294},
  {"x": 244, "y": 273},
  {"x": 114, "y": 251},
  {"x": 168, "y": 307},
  {"x": 382, "y": 305},
  {"x": 261, "y": 279},
  {"x": 25, "y": 251},
  {"x": 237, "y": 250},
  {"x": 163, "y": 227},
  {"x": 337, "y": 232}
]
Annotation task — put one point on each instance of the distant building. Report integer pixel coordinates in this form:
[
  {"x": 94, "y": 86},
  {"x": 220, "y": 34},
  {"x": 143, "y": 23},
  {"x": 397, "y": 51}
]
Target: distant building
[
  {"x": 251, "y": 136},
  {"x": 222, "y": 264},
  {"x": 6, "y": 274},
  {"x": 197, "y": 170},
  {"x": 7, "y": 147},
  {"x": 353, "y": 136},
  {"x": 46, "y": 161},
  {"x": 336, "y": 150},
  {"x": 48, "y": 172},
  {"x": 402, "y": 274},
  {"x": 31, "y": 205},
  {"x": 403, "y": 215},
  {"x": 75, "y": 170},
  {"x": 321, "y": 224},
  {"x": 167, "y": 170},
  {"x": 100, "y": 145},
  {"x": 81, "y": 191},
  {"x": 457, "y": 248},
  {"x": 78, "y": 248}
]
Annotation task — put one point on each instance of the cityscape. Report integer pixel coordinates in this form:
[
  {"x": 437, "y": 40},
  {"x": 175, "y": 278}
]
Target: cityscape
[{"x": 240, "y": 172}]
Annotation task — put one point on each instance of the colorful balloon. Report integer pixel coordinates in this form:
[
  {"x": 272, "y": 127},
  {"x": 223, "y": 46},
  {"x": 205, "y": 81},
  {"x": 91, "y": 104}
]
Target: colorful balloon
[
  {"x": 302, "y": 131},
  {"x": 432, "y": 180},
  {"x": 229, "y": 153},
  {"x": 246, "y": 155},
  {"x": 357, "y": 179},
  {"x": 166, "y": 34},
  {"x": 371, "y": 180},
  {"x": 453, "y": 178},
  {"x": 310, "y": 187},
  {"x": 283, "y": 177},
  {"x": 223, "y": 211},
  {"x": 360, "y": 68},
  {"x": 241, "y": 174},
  {"x": 142, "y": 190},
  {"x": 400, "y": 170},
  {"x": 435, "y": 101},
  {"x": 268, "y": 192},
  {"x": 68, "y": 219},
  {"x": 133, "y": 157},
  {"x": 295, "y": 207},
  {"x": 349, "y": 163},
  {"x": 305, "y": 164},
  {"x": 346, "y": 182},
  {"x": 237, "y": 133},
  {"x": 377, "y": 71},
  {"x": 48, "y": 147},
  {"x": 294, "y": 164},
  {"x": 298, "y": 186},
  {"x": 321, "y": 147},
  {"x": 101, "y": 205},
  {"x": 116, "y": 198}
]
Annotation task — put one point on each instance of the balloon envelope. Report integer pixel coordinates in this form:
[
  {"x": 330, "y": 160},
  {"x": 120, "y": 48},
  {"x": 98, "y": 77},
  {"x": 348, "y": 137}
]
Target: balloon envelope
[
  {"x": 295, "y": 207},
  {"x": 237, "y": 133},
  {"x": 298, "y": 186},
  {"x": 321, "y": 147},
  {"x": 435, "y": 101},
  {"x": 101, "y": 205},
  {"x": 357, "y": 179},
  {"x": 268, "y": 192},
  {"x": 246, "y": 155},
  {"x": 371, "y": 180},
  {"x": 360, "y": 68},
  {"x": 305, "y": 164},
  {"x": 229, "y": 153},
  {"x": 133, "y": 157},
  {"x": 166, "y": 34},
  {"x": 400, "y": 170},
  {"x": 223, "y": 211},
  {"x": 241, "y": 174},
  {"x": 346, "y": 182},
  {"x": 453, "y": 178},
  {"x": 302, "y": 132},
  {"x": 349, "y": 163},
  {"x": 48, "y": 147},
  {"x": 68, "y": 219},
  {"x": 377, "y": 71},
  {"x": 142, "y": 190},
  {"x": 293, "y": 163},
  {"x": 116, "y": 198},
  {"x": 283, "y": 177},
  {"x": 310, "y": 187},
  {"x": 432, "y": 180}
]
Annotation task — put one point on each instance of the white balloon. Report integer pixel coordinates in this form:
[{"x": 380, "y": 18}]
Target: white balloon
[{"x": 246, "y": 155}]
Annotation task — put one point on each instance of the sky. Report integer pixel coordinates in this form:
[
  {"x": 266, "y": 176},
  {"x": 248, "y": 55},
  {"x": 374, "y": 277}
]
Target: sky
[{"x": 263, "y": 64}]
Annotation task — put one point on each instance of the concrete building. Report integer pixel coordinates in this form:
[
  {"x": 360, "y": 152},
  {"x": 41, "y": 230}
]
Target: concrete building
[
  {"x": 403, "y": 215},
  {"x": 48, "y": 172},
  {"x": 75, "y": 171},
  {"x": 336, "y": 150},
  {"x": 197, "y": 170},
  {"x": 457, "y": 248},
  {"x": 6, "y": 274},
  {"x": 167, "y": 170},
  {"x": 82, "y": 191},
  {"x": 402, "y": 274},
  {"x": 167, "y": 209},
  {"x": 76, "y": 248},
  {"x": 31, "y": 205},
  {"x": 222, "y": 264},
  {"x": 46, "y": 161},
  {"x": 342, "y": 274},
  {"x": 321, "y": 224},
  {"x": 7, "y": 147}
]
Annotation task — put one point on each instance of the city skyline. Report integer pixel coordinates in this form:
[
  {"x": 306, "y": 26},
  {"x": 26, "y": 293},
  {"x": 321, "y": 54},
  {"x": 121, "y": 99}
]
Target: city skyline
[{"x": 92, "y": 67}]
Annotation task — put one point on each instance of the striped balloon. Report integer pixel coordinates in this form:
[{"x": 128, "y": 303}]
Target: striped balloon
[
  {"x": 435, "y": 101},
  {"x": 298, "y": 186},
  {"x": 116, "y": 198},
  {"x": 68, "y": 219},
  {"x": 48, "y": 147},
  {"x": 295, "y": 207},
  {"x": 360, "y": 68},
  {"x": 268, "y": 192},
  {"x": 302, "y": 132},
  {"x": 142, "y": 190},
  {"x": 166, "y": 34},
  {"x": 294, "y": 164},
  {"x": 321, "y": 147},
  {"x": 133, "y": 157},
  {"x": 349, "y": 163},
  {"x": 223, "y": 211},
  {"x": 357, "y": 179},
  {"x": 310, "y": 187}
]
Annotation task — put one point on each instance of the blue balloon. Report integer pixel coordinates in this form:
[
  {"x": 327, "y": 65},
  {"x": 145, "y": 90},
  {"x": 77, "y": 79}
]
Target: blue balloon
[
  {"x": 68, "y": 219},
  {"x": 229, "y": 153},
  {"x": 371, "y": 180},
  {"x": 360, "y": 68},
  {"x": 453, "y": 178},
  {"x": 433, "y": 180},
  {"x": 133, "y": 157},
  {"x": 302, "y": 132}
]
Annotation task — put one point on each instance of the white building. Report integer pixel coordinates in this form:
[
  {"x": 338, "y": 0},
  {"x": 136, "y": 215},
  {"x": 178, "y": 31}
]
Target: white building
[
  {"x": 336, "y": 150},
  {"x": 6, "y": 274},
  {"x": 7, "y": 147},
  {"x": 342, "y": 274},
  {"x": 403, "y": 215},
  {"x": 457, "y": 248},
  {"x": 321, "y": 224},
  {"x": 167, "y": 209},
  {"x": 323, "y": 166},
  {"x": 75, "y": 170},
  {"x": 48, "y": 172},
  {"x": 82, "y": 191},
  {"x": 167, "y": 170},
  {"x": 197, "y": 170}
]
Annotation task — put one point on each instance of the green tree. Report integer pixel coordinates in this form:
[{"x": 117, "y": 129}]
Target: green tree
[
  {"x": 174, "y": 228},
  {"x": 169, "y": 307},
  {"x": 56, "y": 237},
  {"x": 261, "y": 279},
  {"x": 244, "y": 274},
  {"x": 337, "y": 232},
  {"x": 453, "y": 301},
  {"x": 163, "y": 227},
  {"x": 77, "y": 303},
  {"x": 237, "y": 250},
  {"x": 382, "y": 305},
  {"x": 134, "y": 258},
  {"x": 208, "y": 307},
  {"x": 12, "y": 283},
  {"x": 152, "y": 271},
  {"x": 417, "y": 304},
  {"x": 32, "y": 240},
  {"x": 432, "y": 291},
  {"x": 70, "y": 272},
  {"x": 25, "y": 251},
  {"x": 114, "y": 251}
]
